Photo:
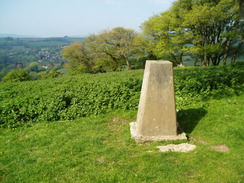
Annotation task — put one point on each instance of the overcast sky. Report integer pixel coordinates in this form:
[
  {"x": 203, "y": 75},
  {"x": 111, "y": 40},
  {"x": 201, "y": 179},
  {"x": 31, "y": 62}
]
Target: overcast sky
[{"x": 58, "y": 18}]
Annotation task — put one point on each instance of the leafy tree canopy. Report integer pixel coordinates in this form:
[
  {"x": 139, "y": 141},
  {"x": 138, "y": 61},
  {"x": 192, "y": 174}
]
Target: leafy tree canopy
[
  {"x": 109, "y": 50},
  {"x": 210, "y": 31}
]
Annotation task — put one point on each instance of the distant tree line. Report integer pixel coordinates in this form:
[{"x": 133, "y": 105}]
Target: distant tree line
[{"x": 209, "y": 31}]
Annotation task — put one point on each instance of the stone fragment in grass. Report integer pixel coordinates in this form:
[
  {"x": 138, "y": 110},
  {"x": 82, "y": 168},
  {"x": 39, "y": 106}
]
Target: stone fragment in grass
[{"x": 184, "y": 147}]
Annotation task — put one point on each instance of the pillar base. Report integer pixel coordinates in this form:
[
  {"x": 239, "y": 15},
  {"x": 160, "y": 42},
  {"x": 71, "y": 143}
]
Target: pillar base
[{"x": 141, "y": 138}]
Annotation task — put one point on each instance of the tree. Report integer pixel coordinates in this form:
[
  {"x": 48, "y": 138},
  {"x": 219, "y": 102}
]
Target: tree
[
  {"x": 101, "y": 60},
  {"x": 33, "y": 67},
  {"x": 118, "y": 46},
  {"x": 78, "y": 57},
  {"x": 166, "y": 38},
  {"x": 109, "y": 50},
  {"x": 17, "y": 75},
  {"x": 49, "y": 75},
  {"x": 213, "y": 30}
]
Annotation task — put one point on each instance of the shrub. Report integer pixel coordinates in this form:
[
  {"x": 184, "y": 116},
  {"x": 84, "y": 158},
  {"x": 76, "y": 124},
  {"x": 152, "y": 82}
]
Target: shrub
[
  {"x": 17, "y": 75},
  {"x": 70, "y": 97}
]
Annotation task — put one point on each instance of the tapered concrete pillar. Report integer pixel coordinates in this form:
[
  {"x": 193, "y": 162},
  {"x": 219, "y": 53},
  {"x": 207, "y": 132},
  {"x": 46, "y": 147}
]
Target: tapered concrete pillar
[{"x": 156, "y": 119}]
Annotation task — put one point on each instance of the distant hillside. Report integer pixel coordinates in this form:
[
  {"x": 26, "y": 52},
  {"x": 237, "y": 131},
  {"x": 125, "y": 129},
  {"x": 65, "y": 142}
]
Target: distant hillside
[
  {"x": 20, "y": 52},
  {"x": 17, "y": 36},
  {"x": 34, "y": 36}
]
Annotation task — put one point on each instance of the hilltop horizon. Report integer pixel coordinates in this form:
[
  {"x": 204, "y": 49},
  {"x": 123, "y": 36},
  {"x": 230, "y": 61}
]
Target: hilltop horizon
[{"x": 3, "y": 35}]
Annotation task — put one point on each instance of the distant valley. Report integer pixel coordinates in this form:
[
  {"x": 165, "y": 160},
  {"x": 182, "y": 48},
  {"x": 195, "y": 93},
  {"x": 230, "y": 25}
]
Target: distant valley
[{"x": 20, "y": 52}]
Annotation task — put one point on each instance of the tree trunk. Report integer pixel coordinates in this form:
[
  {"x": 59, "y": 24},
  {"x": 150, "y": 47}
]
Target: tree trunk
[
  {"x": 214, "y": 60},
  {"x": 195, "y": 61},
  {"x": 226, "y": 51},
  {"x": 219, "y": 59},
  {"x": 128, "y": 64},
  {"x": 207, "y": 60},
  {"x": 225, "y": 58},
  {"x": 233, "y": 59},
  {"x": 181, "y": 59},
  {"x": 201, "y": 56},
  {"x": 203, "y": 61}
]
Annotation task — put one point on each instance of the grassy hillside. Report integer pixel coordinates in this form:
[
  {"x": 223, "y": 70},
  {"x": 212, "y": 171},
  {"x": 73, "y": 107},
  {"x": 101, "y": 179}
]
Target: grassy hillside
[
  {"x": 99, "y": 149},
  {"x": 81, "y": 130}
]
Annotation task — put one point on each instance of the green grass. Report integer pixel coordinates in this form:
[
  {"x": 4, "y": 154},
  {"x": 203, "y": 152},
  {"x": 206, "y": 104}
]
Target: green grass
[{"x": 99, "y": 149}]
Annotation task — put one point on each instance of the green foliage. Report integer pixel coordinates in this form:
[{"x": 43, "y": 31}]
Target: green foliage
[
  {"x": 77, "y": 56},
  {"x": 192, "y": 83},
  {"x": 79, "y": 96},
  {"x": 17, "y": 75},
  {"x": 49, "y": 75},
  {"x": 67, "y": 97},
  {"x": 209, "y": 31},
  {"x": 33, "y": 67},
  {"x": 110, "y": 50},
  {"x": 100, "y": 149},
  {"x": 120, "y": 46},
  {"x": 166, "y": 39}
]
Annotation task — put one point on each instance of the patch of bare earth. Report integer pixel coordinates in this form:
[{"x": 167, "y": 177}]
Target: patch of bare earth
[
  {"x": 198, "y": 141},
  {"x": 190, "y": 174},
  {"x": 111, "y": 127},
  {"x": 101, "y": 159},
  {"x": 23, "y": 136},
  {"x": 220, "y": 148},
  {"x": 117, "y": 120}
]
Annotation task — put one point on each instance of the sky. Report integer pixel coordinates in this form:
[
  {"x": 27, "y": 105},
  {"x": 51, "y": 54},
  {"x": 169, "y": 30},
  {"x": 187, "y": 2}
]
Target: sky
[{"x": 58, "y": 18}]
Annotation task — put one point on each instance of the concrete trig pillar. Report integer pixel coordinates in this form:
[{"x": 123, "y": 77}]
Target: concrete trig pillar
[{"x": 156, "y": 118}]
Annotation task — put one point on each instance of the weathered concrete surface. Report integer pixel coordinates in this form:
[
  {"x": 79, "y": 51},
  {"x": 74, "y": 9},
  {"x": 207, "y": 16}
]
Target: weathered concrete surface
[{"x": 156, "y": 118}]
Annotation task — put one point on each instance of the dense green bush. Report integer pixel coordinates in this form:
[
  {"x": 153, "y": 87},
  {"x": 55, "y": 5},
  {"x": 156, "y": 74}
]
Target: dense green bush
[
  {"x": 67, "y": 98},
  {"x": 16, "y": 76}
]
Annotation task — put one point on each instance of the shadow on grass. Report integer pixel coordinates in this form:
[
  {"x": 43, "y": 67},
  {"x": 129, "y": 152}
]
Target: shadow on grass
[{"x": 189, "y": 118}]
